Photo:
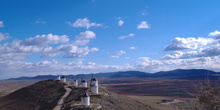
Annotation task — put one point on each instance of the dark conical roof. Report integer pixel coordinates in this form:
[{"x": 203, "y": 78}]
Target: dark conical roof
[
  {"x": 63, "y": 77},
  {"x": 94, "y": 79},
  {"x": 83, "y": 81},
  {"x": 86, "y": 95}
]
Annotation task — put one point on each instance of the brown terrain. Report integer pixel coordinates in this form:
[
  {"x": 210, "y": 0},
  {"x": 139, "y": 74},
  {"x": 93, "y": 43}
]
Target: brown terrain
[
  {"x": 44, "y": 95},
  {"x": 117, "y": 92}
]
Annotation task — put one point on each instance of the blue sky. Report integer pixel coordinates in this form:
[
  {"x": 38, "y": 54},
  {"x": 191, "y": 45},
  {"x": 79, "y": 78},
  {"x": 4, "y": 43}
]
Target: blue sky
[{"x": 91, "y": 36}]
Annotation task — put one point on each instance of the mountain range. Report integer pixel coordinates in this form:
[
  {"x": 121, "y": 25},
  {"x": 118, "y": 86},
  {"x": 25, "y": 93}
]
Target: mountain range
[{"x": 190, "y": 74}]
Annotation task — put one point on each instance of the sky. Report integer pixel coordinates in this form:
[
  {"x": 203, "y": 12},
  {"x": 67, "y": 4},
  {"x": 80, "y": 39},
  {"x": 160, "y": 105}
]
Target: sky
[{"x": 40, "y": 37}]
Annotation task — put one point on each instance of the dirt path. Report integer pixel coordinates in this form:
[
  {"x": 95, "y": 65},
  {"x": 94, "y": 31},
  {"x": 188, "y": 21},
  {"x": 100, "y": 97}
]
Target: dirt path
[{"x": 63, "y": 98}]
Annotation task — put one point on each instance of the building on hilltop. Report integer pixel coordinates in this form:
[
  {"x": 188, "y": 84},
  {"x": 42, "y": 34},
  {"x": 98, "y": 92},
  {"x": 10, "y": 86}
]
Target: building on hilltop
[
  {"x": 94, "y": 81},
  {"x": 85, "y": 100},
  {"x": 95, "y": 89},
  {"x": 75, "y": 83},
  {"x": 58, "y": 77},
  {"x": 84, "y": 83},
  {"x": 63, "y": 79}
]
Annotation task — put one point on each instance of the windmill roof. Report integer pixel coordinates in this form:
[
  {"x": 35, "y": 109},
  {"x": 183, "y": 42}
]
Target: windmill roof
[
  {"x": 94, "y": 79},
  {"x": 86, "y": 95}
]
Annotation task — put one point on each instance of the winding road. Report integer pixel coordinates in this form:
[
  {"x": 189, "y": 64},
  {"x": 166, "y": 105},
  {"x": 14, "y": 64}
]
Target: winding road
[{"x": 63, "y": 98}]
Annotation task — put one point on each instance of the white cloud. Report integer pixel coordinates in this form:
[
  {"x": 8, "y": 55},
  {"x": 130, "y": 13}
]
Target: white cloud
[
  {"x": 1, "y": 24},
  {"x": 132, "y": 48},
  {"x": 94, "y": 49},
  {"x": 120, "y": 22},
  {"x": 81, "y": 42},
  {"x": 70, "y": 50},
  {"x": 42, "y": 40},
  {"x": 119, "y": 53},
  {"x": 206, "y": 55},
  {"x": 188, "y": 43},
  {"x": 84, "y": 23},
  {"x": 127, "y": 36},
  {"x": 143, "y": 25},
  {"x": 40, "y": 21},
  {"x": 3, "y": 36},
  {"x": 215, "y": 34},
  {"x": 47, "y": 45},
  {"x": 86, "y": 35}
]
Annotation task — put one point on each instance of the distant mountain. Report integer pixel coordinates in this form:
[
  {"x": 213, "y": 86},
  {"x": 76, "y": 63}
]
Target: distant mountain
[
  {"x": 188, "y": 74},
  {"x": 174, "y": 74}
]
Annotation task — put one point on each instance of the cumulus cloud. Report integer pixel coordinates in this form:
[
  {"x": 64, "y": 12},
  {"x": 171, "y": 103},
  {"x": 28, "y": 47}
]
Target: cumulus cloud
[
  {"x": 213, "y": 50},
  {"x": 119, "y": 53},
  {"x": 143, "y": 25},
  {"x": 86, "y": 35},
  {"x": 132, "y": 48},
  {"x": 94, "y": 49},
  {"x": 1, "y": 24},
  {"x": 202, "y": 47},
  {"x": 42, "y": 40},
  {"x": 81, "y": 42},
  {"x": 84, "y": 23},
  {"x": 70, "y": 50},
  {"x": 215, "y": 34},
  {"x": 127, "y": 36},
  {"x": 4, "y": 36},
  {"x": 73, "y": 50},
  {"x": 47, "y": 45},
  {"x": 120, "y": 22},
  {"x": 206, "y": 55},
  {"x": 146, "y": 62},
  {"x": 188, "y": 43}
]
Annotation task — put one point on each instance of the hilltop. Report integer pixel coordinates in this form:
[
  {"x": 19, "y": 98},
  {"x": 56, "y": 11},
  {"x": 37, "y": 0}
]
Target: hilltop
[{"x": 45, "y": 94}]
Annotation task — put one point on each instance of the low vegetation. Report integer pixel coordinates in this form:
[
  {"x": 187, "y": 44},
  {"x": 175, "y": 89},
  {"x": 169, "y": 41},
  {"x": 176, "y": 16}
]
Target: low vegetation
[{"x": 209, "y": 96}]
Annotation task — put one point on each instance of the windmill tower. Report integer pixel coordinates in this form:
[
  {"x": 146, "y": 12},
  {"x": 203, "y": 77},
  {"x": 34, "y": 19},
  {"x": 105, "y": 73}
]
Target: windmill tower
[
  {"x": 85, "y": 100},
  {"x": 94, "y": 81},
  {"x": 75, "y": 83},
  {"x": 95, "y": 89},
  {"x": 63, "y": 79},
  {"x": 84, "y": 83},
  {"x": 58, "y": 77}
]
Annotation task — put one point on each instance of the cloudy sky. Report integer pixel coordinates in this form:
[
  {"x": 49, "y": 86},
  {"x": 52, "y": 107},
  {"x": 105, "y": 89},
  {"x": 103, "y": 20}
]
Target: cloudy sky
[{"x": 40, "y": 37}]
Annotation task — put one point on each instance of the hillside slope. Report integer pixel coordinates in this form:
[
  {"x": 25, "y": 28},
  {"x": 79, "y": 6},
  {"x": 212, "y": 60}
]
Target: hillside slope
[
  {"x": 106, "y": 100},
  {"x": 42, "y": 95}
]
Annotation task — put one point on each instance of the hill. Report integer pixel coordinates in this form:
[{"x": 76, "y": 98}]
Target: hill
[{"x": 42, "y": 95}]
